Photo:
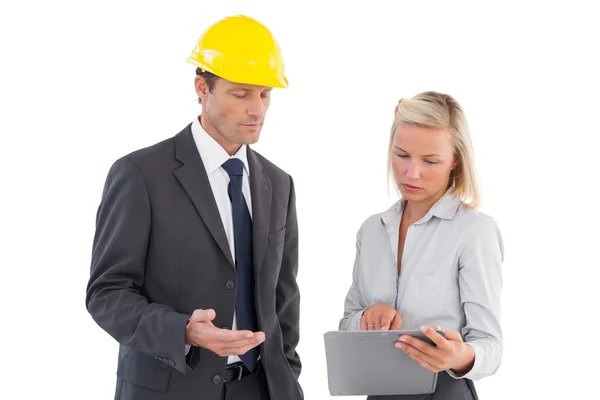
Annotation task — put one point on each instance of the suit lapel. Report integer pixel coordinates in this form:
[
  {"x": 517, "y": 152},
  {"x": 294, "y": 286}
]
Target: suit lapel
[
  {"x": 260, "y": 190},
  {"x": 193, "y": 178}
]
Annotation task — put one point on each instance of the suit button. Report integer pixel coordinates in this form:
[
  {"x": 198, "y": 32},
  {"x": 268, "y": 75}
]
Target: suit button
[
  {"x": 230, "y": 285},
  {"x": 171, "y": 363},
  {"x": 217, "y": 379}
]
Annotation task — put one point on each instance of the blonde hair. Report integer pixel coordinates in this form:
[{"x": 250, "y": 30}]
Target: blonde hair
[{"x": 438, "y": 110}]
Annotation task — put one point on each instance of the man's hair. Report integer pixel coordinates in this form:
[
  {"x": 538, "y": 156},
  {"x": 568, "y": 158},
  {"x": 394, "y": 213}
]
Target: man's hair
[{"x": 210, "y": 79}]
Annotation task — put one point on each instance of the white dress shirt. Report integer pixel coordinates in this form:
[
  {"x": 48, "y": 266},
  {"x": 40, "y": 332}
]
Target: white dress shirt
[
  {"x": 213, "y": 156},
  {"x": 450, "y": 275}
]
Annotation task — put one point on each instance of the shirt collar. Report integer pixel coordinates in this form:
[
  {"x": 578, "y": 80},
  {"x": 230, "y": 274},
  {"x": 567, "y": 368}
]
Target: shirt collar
[
  {"x": 444, "y": 208},
  {"x": 211, "y": 152}
]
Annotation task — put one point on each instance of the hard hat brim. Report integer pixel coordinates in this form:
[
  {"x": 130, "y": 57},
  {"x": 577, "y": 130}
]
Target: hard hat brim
[{"x": 273, "y": 82}]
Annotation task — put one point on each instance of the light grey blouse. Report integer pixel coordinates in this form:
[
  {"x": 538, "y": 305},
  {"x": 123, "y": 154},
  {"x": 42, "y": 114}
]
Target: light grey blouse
[{"x": 450, "y": 275}]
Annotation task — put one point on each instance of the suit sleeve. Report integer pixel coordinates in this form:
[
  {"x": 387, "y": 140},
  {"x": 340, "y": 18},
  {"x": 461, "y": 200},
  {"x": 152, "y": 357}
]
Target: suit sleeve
[
  {"x": 288, "y": 295},
  {"x": 114, "y": 295}
]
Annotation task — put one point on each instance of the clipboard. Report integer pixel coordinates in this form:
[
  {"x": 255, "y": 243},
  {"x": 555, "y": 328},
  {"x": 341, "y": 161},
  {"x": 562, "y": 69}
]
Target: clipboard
[{"x": 368, "y": 363}]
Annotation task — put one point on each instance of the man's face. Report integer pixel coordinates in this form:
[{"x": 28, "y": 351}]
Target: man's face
[{"x": 233, "y": 113}]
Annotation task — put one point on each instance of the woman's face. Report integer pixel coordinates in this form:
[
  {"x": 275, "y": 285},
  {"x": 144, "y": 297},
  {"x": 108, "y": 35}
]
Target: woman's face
[{"x": 422, "y": 159}]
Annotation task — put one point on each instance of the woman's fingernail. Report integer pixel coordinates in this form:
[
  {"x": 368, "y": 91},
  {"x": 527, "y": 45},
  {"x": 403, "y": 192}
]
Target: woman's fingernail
[{"x": 424, "y": 329}]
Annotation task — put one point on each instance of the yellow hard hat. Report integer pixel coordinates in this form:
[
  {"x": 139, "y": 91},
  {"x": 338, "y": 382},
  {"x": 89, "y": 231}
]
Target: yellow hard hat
[{"x": 242, "y": 50}]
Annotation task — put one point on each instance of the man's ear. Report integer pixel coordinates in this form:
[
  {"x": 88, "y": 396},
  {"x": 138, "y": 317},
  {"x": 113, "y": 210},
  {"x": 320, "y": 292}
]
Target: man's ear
[{"x": 201, "y": 87}]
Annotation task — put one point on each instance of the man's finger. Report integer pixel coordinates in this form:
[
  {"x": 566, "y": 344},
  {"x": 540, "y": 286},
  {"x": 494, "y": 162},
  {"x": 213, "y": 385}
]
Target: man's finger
[
  {"x": 226, "y": 335},
  {"x": 239, "y": 350},
  {"x": 201, "y": 315},
  {"x": 236, "y": 344},
  {"x": 257, "y": 339}
]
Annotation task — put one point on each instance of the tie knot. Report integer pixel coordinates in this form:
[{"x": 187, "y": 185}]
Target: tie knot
[{"x": 234, "y": 167}]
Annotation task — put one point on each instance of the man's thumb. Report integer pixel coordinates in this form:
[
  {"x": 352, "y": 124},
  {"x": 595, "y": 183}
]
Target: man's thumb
[{"x": 203, "y": 315}]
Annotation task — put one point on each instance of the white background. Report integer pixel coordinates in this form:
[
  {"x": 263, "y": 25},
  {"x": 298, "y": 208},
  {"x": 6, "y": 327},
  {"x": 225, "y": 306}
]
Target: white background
[{"x": 83, "y": 83}]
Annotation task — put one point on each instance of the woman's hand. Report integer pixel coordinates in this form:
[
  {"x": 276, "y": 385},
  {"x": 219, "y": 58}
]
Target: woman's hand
[
  {"x": 451, "y": 352},
  {"x": 380, "y": 316}
]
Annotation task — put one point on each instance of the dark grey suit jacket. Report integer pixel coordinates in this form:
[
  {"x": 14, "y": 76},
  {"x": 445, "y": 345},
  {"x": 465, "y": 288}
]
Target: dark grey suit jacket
[{"x": 160, "y": 252}]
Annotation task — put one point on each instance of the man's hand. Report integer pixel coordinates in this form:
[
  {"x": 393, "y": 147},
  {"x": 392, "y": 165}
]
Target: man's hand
[
  {"x": 380, "y": 316},
  {"x": 201, "y": 332}
]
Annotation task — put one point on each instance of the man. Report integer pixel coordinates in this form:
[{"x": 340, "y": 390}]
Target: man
[{"x": 195, "y": 255}]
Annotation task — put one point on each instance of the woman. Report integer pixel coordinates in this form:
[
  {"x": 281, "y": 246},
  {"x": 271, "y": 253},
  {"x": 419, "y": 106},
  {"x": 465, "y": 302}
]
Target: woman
[{"x": 432, "y": 261}]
